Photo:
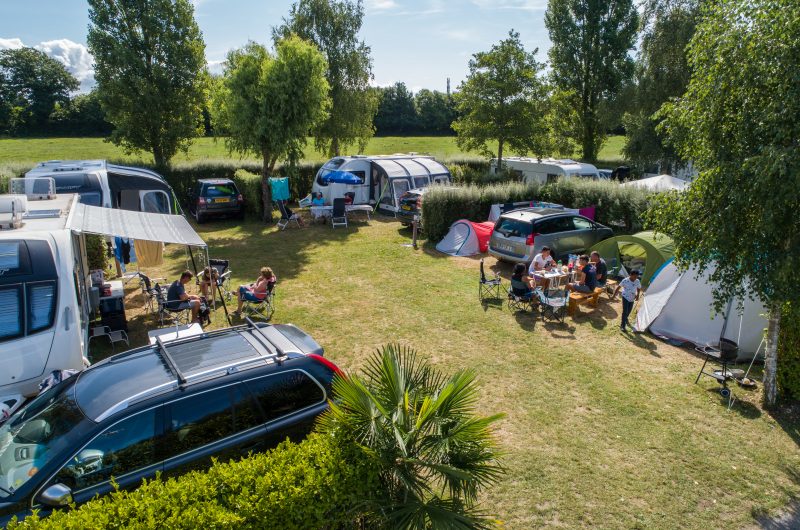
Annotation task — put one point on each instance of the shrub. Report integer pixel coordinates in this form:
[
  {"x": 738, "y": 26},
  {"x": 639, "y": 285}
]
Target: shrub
[
  {"x": 789, "y": 353},
  {"x": 318, "y": 483},
  {"x": 96, "y": 252},
  {"x": 249, "y": 185}
]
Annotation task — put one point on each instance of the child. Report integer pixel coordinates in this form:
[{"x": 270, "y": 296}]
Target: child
[{"x": 631, "y": 288}]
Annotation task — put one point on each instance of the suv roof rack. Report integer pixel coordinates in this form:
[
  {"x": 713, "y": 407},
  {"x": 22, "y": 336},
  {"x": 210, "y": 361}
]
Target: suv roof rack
[
  {"x": 255, "y": 327},
  {"x": 170, "y": 362}
]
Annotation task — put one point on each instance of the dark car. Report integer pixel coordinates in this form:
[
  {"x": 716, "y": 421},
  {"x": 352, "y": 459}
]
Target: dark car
[
  {"x": 410, "y": 204},
  {"x": 215, "y": 197},
  {"x": 165, "y": 408}
]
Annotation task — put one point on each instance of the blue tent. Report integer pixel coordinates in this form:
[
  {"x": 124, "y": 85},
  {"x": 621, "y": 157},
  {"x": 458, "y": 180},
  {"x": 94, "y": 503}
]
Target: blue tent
[{"x": 341, "y": 177}]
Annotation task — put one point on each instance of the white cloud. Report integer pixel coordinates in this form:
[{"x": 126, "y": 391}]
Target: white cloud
[
  {"x": 10, "y": 44},
  {"x": 380, "y": 5},
  {"x": 525, "y": 5},
  {"x": 216, "y": 67},
  {"x": 74, "y": 56}
]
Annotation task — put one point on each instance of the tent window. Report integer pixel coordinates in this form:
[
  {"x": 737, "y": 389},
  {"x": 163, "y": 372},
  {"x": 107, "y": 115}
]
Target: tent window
[
  {"x": 155, "y": 202},
  {"x": 10, "y": 314},
  {"x": 41, "y": 305}
]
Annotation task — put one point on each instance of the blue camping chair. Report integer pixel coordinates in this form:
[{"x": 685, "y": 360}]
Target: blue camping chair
[{"x": 553, "y": 304}]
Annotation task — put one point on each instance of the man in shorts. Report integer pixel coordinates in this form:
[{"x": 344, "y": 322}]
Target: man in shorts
[
  {"x": 177, "y": 299},
  {"x": 588, "y": 280}
]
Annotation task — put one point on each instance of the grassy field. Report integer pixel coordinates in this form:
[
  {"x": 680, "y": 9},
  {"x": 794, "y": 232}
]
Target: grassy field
[
  {"x": 38, "y": 149},
  {"x": 602, "y": 429}
]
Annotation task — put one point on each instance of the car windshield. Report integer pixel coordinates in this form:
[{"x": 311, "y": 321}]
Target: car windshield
[
  {"x": 220, "y": 190},
  {"x": 39, "y": 432},
  {"x": 513, "y": 228}
]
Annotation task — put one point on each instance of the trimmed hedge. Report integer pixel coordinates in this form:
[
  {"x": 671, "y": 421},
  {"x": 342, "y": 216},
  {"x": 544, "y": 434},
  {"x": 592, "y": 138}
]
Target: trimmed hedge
[
  {"x": 618, "y": 206},
  {"x": 318, "y": 483},
  {"x": 249, "y": 185},
  {"x": 789, "y": 353}
]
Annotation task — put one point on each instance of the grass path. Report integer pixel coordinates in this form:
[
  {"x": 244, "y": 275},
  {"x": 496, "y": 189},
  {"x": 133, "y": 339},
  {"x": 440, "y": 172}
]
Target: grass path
[{"x": 601, "y": 429}]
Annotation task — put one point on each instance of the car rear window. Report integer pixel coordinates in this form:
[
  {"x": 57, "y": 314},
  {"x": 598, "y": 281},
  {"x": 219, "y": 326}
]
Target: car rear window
[
  {"x": 513, "y": 227},
  {"x": 284, "y": 393},
  {"x": 220, "y": 190}
]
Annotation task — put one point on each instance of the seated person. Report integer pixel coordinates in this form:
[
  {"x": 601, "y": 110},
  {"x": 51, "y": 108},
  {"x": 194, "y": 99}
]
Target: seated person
[
  {"x": 543, "y": 261},
  {"x": 588, "y": 280},
  {"x": 177, "y": 299},
  {"x": 600, "y": 268},
  {"x": 317, "y": 200},
  {"x": 289, "y": 213},
  {"x": 520, "y": 281},
  {"x": 258, "y": 290},
  {"x": 208, "y": 282},
  {"x": 348, "y": 197}
]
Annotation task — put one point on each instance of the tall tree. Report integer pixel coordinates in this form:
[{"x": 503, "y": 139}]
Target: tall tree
[
  {"x": 31, "y": 85},
  {"x": 151, "y": 73},
  {"x": 739, "y": 123},
  {"x": 333, "y": 26},
  {"x": 662, "y": 73},
  {"x": 270, "y": 102},
  {"x": 81, "y": 116},
  {"x": 589, "y": 56},
  {"x": 396, "y": 111},
  {"x": 501, "y": 100}
]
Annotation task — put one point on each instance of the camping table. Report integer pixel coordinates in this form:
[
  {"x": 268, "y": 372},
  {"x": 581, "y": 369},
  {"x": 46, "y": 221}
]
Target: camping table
[
  {"x": 325, "y": 211},
  {"x": 555, "y": 277},
  {"x": 175, "y": 332}
]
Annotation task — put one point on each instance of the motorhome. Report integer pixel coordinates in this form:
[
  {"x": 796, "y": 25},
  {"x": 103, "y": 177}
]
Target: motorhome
[
  {"x": 544, "y": 170},
  {"x": 99, "y": 183},
  {"x": 384, "y": 178},
  {"x": 44, "y": 286}
]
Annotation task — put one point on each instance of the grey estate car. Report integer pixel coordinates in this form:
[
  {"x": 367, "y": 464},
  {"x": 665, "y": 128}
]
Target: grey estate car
[{"x": 520, "y": 234}]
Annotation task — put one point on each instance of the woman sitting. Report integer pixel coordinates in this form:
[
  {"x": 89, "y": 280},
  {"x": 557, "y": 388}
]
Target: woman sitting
[
  {"x": 258, "y": 290},
  {"x": 521, "y": 282},
  {"x": 207, "y": 282},
  {"x": 318, "y": 200}
]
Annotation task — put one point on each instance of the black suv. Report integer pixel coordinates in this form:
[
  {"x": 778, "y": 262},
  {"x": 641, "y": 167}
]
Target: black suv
[
  {"x": 219, "y": 197},
  {"x": 167, "y": 407}
]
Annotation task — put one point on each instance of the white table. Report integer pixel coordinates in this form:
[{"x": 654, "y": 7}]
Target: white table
[
  {"x": 325, "y": 211},
  {"x": 555, "y": 277},
  {"x": 175, "y": 332}
]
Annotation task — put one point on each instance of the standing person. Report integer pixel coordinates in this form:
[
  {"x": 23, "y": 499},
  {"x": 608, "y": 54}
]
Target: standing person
[
  {"x": 177, "y": 298},
  {"x": 258, "y": 290},
  {"x": 600, "y": 268},
  {"x": 588, "y": 280},
  {"x": 631, "y": 288},
  {"x": 542, "y": 261}
]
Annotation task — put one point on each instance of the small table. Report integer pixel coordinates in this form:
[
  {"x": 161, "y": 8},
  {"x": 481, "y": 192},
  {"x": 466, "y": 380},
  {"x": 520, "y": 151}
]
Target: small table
[
  {"x": 554, "y": 277},
  {"x": 175, "y": 332}
]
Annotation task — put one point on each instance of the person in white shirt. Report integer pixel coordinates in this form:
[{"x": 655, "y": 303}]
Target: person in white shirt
[
  {"x": 542, "y": 261},
  {"x": 631, "y": 288}
]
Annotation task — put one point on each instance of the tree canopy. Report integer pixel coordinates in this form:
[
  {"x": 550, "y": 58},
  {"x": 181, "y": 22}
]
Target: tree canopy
[
  {"x": 589, "y": 57},
  {"x": 151, "y": 74},
  {"x": 396, "y": 111},
  {"x": 501, "y": 100},
  {"x": 333, "y": 26},
  {"x": 270, "y": 102},
  {"x": 739, "y": 122},
  {"x": 31, "y": 85}
]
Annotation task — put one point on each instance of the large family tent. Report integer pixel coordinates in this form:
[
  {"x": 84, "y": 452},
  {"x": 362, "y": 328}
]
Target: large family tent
[
  {"x": 678, "y": 307},
  {"x": 466, "y": 238},
  {"x": 659, "y": 183},
  {"x": 646, "y": 251}
]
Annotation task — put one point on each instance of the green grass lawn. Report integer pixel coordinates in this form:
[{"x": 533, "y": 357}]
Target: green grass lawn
[
  {"x": 31, "y": 150},
  {"x": 601, "y": 430}
]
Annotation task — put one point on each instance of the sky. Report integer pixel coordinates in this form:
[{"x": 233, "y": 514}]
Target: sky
[{"x": 418, "y": 42}]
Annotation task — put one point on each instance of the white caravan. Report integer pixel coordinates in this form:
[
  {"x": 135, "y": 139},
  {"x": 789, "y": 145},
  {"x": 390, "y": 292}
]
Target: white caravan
[
  {"x": 99, "y": 183},
  {"x": 544, "y": 170},
  {"x": 385, "y": 177},
  {"x": 44, "y": 285}
]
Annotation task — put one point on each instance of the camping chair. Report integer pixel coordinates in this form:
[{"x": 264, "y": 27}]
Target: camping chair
[
  {"x": 149, "y": 293},
  {"x": 488, "y": 288},
  {"x": 520, "y": 302},
  {"x": 113, "y": 336},
  {"x": 553, "y": 305},
  {"x": 223, "y": 277},
  {"x": 339, "y": 214},
  {"x": 176, "y": 316},
  {"x": 287, "y": 216},
  {"x": 726, "y": 354},
  {"x": 263, "y": 309}
]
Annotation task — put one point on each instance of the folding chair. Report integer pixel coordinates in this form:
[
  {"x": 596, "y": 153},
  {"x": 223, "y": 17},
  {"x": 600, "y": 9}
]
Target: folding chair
[
  {"x": 113, "y": 336},
  {"x": 263, "y": 309},
  {"x": 148, "y": 292},
  {"x": 165, "y": 312},
  {"x": 553, "y": 305},
  {"x": 287, "y": 216},
  {"x": 339, "y": 214},
  {"x": 520, "y": 302},
  {"x": 488, "y": 288},
  {"x": 223, "y": 277}
]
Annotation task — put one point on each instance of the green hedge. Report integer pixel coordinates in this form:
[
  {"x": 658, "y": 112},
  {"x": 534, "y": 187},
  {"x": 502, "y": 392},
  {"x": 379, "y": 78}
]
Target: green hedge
[
  {"x": 249, "y": 185},
  {"x": 789, "y": 353},
  {"x": 316, "y": 484},
  {"x": 617, "y": 206}
]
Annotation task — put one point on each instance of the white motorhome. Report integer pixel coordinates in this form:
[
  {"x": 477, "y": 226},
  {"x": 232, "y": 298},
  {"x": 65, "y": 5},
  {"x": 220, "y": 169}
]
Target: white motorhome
[
  {"x": 544, "y": 170},
  {"x": 44, "y": 285},
  {"x": 99, "y": 183},
  {"x": 385, "y": 177}
]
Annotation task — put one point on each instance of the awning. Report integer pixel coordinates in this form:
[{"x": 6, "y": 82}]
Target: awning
[{"x": 133, "y": 225}]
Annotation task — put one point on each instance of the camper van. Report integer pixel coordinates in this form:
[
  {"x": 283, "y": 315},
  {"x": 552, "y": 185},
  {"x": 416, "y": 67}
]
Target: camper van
[
  {"x": 99, "y": 183},
  {"x": 385, "y": 178},
  {"x": 544, "y": 170},
  {"x": 44, "y": 283}
]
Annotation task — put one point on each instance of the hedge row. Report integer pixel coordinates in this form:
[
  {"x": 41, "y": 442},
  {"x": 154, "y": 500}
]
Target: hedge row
[
  {"x": 789, "y": 353},
  {"x": 315, "y": 484},
  {"x": 618, "y": 206}
]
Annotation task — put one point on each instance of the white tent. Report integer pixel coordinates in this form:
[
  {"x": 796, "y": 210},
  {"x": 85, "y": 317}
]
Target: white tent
[
  {"x": 678, "y": 307},
  {"x": 659, "y": 183},
  {"x": 466, "y": 238}
]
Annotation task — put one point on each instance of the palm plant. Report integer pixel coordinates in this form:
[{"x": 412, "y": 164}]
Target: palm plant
[{"x": 419, "y": 427}]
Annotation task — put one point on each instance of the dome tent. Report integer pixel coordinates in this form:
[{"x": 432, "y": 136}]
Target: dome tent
[
  {"x": 654, "y": 249},
  {"x": 466, "y": 238}
]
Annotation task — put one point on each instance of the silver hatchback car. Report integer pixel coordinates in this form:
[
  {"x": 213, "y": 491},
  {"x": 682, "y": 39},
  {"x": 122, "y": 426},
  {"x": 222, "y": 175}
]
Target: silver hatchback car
[{"x": 520, "y": 234}]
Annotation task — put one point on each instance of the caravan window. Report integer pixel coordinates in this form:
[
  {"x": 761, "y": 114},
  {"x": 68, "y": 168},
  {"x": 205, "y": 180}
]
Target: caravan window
[
  {"x": 80, "y": 183},
  {"x": 9, "y": 256},
  {"x": 421, "y": 182},
  {"x": 155, "y": 202},
  {"x": 10, "y": 314},
  {"x": 41, "y": 305},
  {"x": 92, "y": 198}
]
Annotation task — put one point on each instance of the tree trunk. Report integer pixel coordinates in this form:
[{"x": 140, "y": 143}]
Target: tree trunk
[
  {"x": 500, "y": 143},
  {"x": 158, "y": 158},
  {"x": 335, "y": 148},
  {"x": 588, "y": 140},
  {"x": 266, "y": 189},
  {"x": 771, "y": 356}
]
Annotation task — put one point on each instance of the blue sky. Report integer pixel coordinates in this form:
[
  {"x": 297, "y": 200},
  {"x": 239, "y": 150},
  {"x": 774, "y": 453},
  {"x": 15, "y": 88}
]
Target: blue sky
[{"x": 419, "y": 42}]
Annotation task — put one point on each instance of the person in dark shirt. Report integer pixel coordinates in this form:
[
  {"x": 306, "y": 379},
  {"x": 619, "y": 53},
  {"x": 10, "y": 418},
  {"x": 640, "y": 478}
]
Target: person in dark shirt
[
  {"x": 520, "y": 281},
  {"x": 600, "y": 268},
  {"x": 177, "y": 298},
  {"x": 588, "y": 281}
]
